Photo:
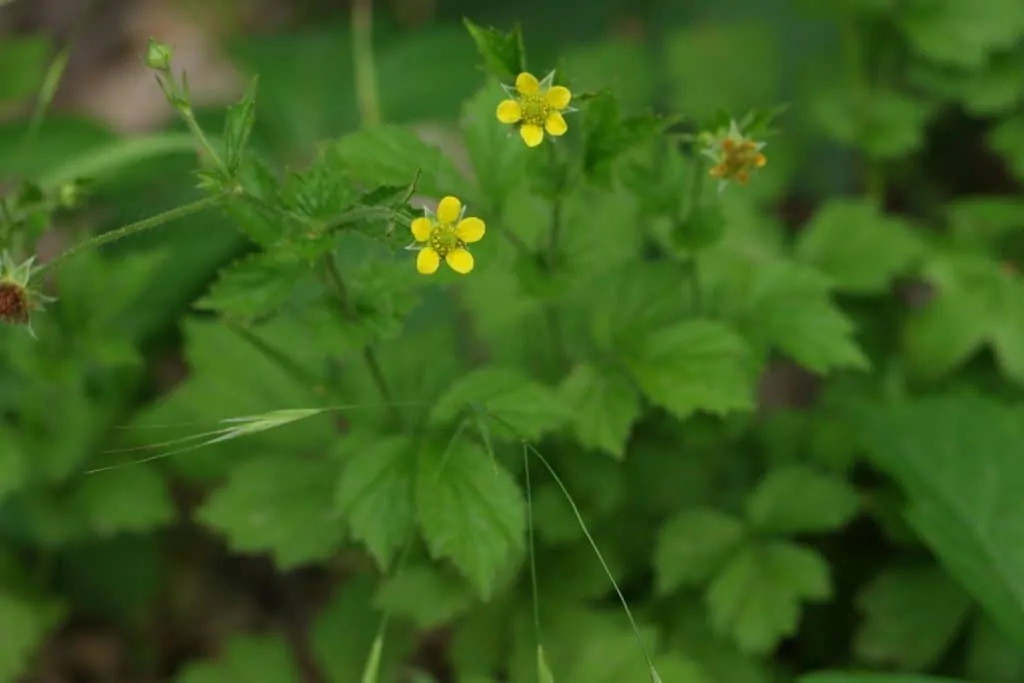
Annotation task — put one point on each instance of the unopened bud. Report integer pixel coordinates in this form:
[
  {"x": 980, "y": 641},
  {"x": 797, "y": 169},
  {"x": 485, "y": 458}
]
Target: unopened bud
[{"x": 158, "y": 55}]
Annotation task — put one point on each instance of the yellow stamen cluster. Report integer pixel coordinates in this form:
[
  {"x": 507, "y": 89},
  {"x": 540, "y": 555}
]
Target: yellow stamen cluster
[
  {"x": 536, "y": 107},
  {"x": 734, "y": 156},
  {"x": 445, "y": 235}
]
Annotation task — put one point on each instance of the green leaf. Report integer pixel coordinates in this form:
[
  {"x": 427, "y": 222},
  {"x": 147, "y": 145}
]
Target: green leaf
[
  {"x": 514, "y": 406},
  {"x": 22, "y": 64},
  {"x": 797, "y": 499},
  {"x": 756, "y": 598},
  {"x": 24, "y": 623},
  {"x": 503, "y": 52},
  {"x": 961, "y": 33},
  {"x": 254, "y": 286},
  {"x": 860, "y": 248},
  {"x": 604, "y": 405},
  {"x": 885, "y": 124},
  {"x": 238, "y": 126},
  {"x": 499, "y": 164},
  {"x": 991, "y": 656},
  {"x": 695, "y": 366},
  {"x": 264, "y": 658},
  {"x": 911, "y": 617},
  {"x": 127, "y": 500},
  {"x": 424, "y": 595},
  {"x": 992, "y": 92},
  {"x": 1007, "y": 140},
  {"x": 470, "y": 512},
  {"x": 375, "y": 494},
  {"x": 693, "y": 545},
  {"x": 279, "y": 504},
  {"x": 607, "y": 135},
  {"x": 960, "y": 460},
  {"x": 391, "y": 155},
  {"x": 850, "y": 677},
  {"x": 982, "y": 220}
]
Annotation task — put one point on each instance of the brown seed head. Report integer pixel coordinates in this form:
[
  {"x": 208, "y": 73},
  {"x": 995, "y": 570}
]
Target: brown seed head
[{"x": 14, "y": 304}]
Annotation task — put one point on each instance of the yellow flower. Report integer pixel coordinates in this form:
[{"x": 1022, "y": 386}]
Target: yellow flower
[
  {"x": 535, "y": 107},
  {"x": 735, "y": 156},
  {"x": 445, "y": 235}
]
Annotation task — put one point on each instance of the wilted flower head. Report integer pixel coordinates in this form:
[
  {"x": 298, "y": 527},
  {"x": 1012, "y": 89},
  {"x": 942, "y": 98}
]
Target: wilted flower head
[
  {"x": 17, "y": 299},
  {"x": 446, "y": 235},
  {"x": 535, "y": 107},
  {"x": 734, "y": 155}
]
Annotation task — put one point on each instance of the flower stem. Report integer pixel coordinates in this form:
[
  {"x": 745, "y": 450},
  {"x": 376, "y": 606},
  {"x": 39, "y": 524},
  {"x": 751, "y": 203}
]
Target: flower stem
[
  {"x": 134, "y": 228},
  {"x": 337, "y": 283},
  {"x": 362, "y": 55}
]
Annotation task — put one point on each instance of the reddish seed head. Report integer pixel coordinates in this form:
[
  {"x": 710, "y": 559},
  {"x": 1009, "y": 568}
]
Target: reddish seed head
[{"x": 14, "y": 304}]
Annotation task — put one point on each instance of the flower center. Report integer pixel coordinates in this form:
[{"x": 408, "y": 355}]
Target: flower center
[
  {"x": 13, "y": 304},
  {"x": 535, "y": 109},
  {"x": 443, "y": 239}
]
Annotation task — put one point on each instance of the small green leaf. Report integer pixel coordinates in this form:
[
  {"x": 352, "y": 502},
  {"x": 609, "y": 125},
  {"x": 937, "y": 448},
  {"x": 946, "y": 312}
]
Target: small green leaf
[
  {"x": 254, "y": 286},
  {"x": 695, "y": 366},
  {"x": 604, "y": 405},
  {"x": 264, "y": 658},
  {"x": 798, "y": 499},
  {"x": 278, "y": 504},
  {"x": 911, "y": 617},
  {"x": 503, "y": 53},
  {"x": 375, "y": 494},
  {"x": 424, "y": 595},
  {"x": 470, "y": 513},
  {"x": 756, "y": 598},
  {"x": 859, "y": 247},
  {"x": 693, "y": 546},
  {"x": 238, "y": 125},
  {"x": 607, "y": 135},
  {"x": 514, "y": 406},
  {"x": 126, "y": 500},
  {"x": 24, "y": 624}
]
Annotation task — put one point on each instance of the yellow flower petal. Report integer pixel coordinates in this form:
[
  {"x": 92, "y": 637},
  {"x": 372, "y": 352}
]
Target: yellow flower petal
[
  {"x": 421, "y": 228},
  {"x": 460, "y": 260},
  {"x": 559, "y": 97},
  {"x": 448, "y": 210},
  {"x": 555, "y": 125},
  {"x": 471, "y": 230},
  {"x": 509, "y": 111},
  {"x": 427, "y": 261},
  {"x": 527, "y": 84},
  {"x": 531, "y": 135}
]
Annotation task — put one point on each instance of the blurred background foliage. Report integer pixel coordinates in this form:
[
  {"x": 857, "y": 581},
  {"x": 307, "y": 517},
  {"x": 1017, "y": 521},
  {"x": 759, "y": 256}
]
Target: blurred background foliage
[{"x": 916, "y": 104}]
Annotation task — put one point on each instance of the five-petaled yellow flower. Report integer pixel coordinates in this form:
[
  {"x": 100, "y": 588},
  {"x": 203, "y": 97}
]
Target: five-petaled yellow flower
[
  {"x": 445, "y": 235},
  {"x": 535, "y": 107}
]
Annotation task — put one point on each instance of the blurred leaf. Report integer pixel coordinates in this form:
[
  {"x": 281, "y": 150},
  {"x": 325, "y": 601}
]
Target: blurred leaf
[
  {"x": 254, "y": 286},
  {"x": 993, "y": 91},
  {"x": 264, "y": 658},
  {"x": 503, "y": 53},
  {"x": 694, "y": 366},
  {"x": 962, "y": 33},
  {"x": 129, "y": 499},
  {"x": 693, "y": 546},
  {"x": 22, "y": 64},
  {"x": 375, "y": 494},
  {"x": 911, "y": 617},
  {"x": 499, "y": 163},
  {"x": 983, "y": 220},
  {"x": 604, "y": 405},
  {"x": 608, "y": 135},
  {"x": 960, "y": 460},
  {"x": 1007, "y": 140},
  {"x": 991, "y": 656},
  {"x": 756, "y": 599},
  {"x": 884, "y": 124},
  {"x": 796, "y": 499},
  {"x": 521, "y": 408},
  {"x": 24, "y": 623},
  {"x": 862, "y": 249},
  {"x": 470, "y": 512},
  {"x": 424, "y": 595},
  {"x": 850, "y": 677}
]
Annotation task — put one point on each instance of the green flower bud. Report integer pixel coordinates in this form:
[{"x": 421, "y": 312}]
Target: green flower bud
[{"x": 158, "y": 55}]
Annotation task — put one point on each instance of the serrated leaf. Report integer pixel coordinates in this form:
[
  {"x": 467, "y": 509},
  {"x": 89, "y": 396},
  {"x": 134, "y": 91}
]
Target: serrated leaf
[
  {"x": 604, "y": 405},
  {"x": 392, "y": 155},
  {"x": 238, "y": 125},
  {"x": 471, "y": 513},
  {"x": 127, "y": 500},
  {"x": 264, "y": 658},
  {"x": 692, "y": 546},
  {"x": 254, "y": 286},
  {"x": 503, "y": 52},
  {"x": 375, "y": 495},
  {"x": 695, "y": 366},
  {"x": 756, "y": 599},
  {"x": 797, "y": 499},
  {"x": 911, "y": 617},
  {"x": 607, "y": 135},
  {"x": 861, "y": 249},
  {"x": 960, "y": 461},
  {"x": 514, "y": 406},
  {"x": 279, "y": 504},
  {"x": 24, "y": 622},
  {"x": 424, "y": 595}
]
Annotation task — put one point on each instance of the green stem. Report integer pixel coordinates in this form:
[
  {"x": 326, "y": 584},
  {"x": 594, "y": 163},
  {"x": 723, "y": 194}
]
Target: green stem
[
  {"x": 693, "y": 203},
  {"x": 193, "y": 126},
  {"x": 362, "y": 56},
  {"x": 337, "y": 283},
  {"x": 533, "y": 558},
  {"x": 134, "y": 228}
]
